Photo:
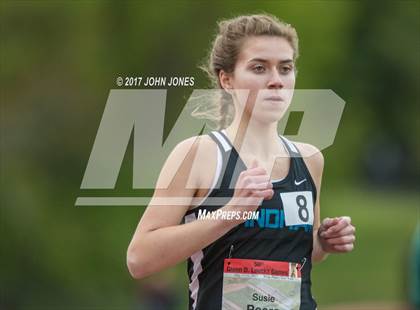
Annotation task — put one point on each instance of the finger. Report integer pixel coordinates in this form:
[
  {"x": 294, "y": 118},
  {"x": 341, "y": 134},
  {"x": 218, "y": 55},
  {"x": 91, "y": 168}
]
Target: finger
[
  {"x": 269, "y": 196},
  {"x": 254, "y": 182},
  {"x": 343, "y": 248},
  {"x": 327, "y": 223},
  {"x": 341, "y": 224},
  {"x": 341, "y": 240},
  {"x": 346, "y": 218},
  {"x": 260, "y": 186},
  {"x": 255, "y": 179},
  {"x": 349, "y": 230},
  {"x": 266, "y": 194},
  {"x": 255, "y": 187}
]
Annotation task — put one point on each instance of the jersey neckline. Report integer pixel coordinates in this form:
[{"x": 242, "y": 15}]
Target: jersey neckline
[{"x": 275, "y": 181}]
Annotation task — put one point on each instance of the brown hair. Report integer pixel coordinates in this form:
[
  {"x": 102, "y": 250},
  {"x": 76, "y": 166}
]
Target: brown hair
[{"x": 224, "y": 54}]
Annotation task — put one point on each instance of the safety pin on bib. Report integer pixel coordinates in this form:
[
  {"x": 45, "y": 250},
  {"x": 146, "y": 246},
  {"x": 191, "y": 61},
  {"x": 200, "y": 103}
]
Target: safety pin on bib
[
  {"x": 230, "y": 251},
  {"x": 304, "y": 262}
]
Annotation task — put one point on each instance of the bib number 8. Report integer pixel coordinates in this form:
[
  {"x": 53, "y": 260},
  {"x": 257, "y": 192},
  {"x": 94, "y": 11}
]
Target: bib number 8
[
  {"x": 298, "y": 208},
  {"x": 303, "y": 211}
]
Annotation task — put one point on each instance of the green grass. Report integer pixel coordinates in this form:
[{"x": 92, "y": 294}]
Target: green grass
[{"x": 376, "y": 270}]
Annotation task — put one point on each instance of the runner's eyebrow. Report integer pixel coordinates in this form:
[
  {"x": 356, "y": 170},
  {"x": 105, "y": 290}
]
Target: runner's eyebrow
[{"x": 266, "y": 61}]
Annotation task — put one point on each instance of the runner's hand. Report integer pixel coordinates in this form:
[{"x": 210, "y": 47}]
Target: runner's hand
[
  {"x": 337, "y": 235},
  {"x": 252, "y": 187}
]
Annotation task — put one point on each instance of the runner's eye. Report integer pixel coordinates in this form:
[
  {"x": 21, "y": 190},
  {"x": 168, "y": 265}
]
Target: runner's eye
[
  {"x": 258, "y": 68},
  {"x": 286, "y": 69}
]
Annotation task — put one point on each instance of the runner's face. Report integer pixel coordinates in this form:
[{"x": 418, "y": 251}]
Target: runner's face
[{"x": 264, "y": 67}]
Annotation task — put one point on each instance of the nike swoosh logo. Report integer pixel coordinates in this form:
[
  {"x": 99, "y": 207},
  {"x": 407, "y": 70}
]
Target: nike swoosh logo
[{"x": 299, "y": 182}]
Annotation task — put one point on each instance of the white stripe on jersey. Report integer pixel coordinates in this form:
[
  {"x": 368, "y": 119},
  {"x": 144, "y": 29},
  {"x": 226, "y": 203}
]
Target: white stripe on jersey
[{"x": 196, "y": 258}]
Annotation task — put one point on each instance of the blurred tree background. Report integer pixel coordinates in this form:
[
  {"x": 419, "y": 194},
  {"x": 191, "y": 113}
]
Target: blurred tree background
[{"x": 60, "y": 59}]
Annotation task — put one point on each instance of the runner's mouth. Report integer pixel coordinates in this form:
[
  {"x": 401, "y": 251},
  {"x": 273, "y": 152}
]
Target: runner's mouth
[{"x": 274, "y": 98}]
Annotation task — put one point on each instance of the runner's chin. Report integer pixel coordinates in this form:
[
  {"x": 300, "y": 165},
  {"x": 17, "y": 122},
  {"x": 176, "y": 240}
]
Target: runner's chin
[{"x": 271, "y": 111}]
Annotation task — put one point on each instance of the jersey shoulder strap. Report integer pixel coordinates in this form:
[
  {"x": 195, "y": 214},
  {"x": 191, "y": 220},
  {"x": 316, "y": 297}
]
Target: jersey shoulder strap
[
  {"x": 291, "y": 147},
  {"x": 232, "y": 164}
]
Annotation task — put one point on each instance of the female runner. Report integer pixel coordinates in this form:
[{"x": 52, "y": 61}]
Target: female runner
[{"x": 235, "y": 262}]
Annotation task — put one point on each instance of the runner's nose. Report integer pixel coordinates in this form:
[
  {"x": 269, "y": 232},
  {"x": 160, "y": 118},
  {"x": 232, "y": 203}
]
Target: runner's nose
[{"x": 275, "y": 81}]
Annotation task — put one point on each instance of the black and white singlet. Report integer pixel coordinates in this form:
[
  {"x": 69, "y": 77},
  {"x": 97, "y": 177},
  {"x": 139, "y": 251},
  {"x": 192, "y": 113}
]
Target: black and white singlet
[{"x": 268, "y": 238}]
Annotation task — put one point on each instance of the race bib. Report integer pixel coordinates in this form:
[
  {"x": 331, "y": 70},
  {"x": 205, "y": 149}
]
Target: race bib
[
  {"x": 250, "y": 284},
  {"x": 298, "y": 208}
]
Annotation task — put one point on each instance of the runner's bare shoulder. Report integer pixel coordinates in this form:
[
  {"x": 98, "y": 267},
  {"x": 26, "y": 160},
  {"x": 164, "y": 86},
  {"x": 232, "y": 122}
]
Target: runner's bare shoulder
[
  {"x": 190, "y": 168},
  {"x": 312, "y": 157}
]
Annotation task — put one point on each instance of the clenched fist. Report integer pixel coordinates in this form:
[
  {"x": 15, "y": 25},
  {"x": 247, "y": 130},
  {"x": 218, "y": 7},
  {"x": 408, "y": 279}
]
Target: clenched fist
[
  {"x": 252, "y": 187},
  {"x": 337, "y": 235}
]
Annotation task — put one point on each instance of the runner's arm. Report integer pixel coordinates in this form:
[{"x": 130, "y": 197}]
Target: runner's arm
[{"x": 159, "y": 240}]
